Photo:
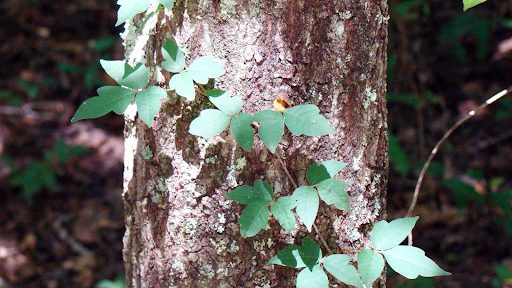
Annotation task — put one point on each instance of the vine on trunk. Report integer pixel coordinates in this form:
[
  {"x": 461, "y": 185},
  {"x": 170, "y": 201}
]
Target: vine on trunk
[{"x": 259, "y": 199}]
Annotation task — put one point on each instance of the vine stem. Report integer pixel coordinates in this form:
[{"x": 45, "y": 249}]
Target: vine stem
[
  {"x": 434, "y": 151},
  {"x": 295, "y": 187}
]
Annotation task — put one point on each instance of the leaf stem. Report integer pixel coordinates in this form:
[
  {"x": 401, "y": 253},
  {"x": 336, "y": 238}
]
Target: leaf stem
[
  {"x": 283, "y": 165},
  {"x": 201, "y": 90}
]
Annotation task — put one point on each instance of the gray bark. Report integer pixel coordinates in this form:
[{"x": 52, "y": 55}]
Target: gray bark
[{"x": 180, "y": 229}]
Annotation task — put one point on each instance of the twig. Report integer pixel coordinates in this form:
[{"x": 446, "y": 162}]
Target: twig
[
  {"x": 295, "y": 187},
  {"x": 201, "y": 90},
  {"x": 468, "y": 116},
  {"x": 64, "y": 236},
  {"x": 495, "y": 140}
]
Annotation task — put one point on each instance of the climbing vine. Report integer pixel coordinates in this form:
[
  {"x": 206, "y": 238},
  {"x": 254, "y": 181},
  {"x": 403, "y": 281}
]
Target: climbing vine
[{"x": 360, "y": 269}]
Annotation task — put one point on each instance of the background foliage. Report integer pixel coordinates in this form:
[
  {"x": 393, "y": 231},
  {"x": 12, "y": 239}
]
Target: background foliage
[{"x": 66, "y": 228}]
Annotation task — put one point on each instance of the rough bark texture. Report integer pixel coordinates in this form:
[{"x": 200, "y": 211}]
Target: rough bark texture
[{"x": 180, "y": 229}]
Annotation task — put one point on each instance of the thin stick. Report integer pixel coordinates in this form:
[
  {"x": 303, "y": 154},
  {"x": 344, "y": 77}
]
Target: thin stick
[
  {"x": 468, "y": 116},
  {"x": 295, "y": 187}
]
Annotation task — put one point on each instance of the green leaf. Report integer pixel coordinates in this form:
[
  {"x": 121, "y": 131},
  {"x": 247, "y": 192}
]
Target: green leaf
[
  {"x": 332, "y": 192},
  {"x": 317, "y": 173},
  {"x": 370, "y": 266},
  {"x": 168, "y": 4},
  {"x": 386, "y": 235},
  {"x": 289, "y": 257},
  {"x": 215, "y": 92},
  {"x": 309, "y": 252},
  {"x": 339, "y": 266},
  {"x": 471, "y": 3},
  {"x": 130, "y": 8},
  {"x": 242, "y": 130},
  {"x": 174, "y": 58},
  {"x": 204, "y": 68},
  {"x": 149, "y": 102},
  {"x": 271, "y": 128},
  {"x": 242, "y": 194},
  {"x": 210, "y": 122},
  {"x": 312, "y": 279},
  {"x": 93, "y": 107},
  {"x": 411, "y": 262},
  {"x": 307, "y": 205},
  {"x": 261, "y": 193},
  {"x": 333, "y": 167},
  {"x": 122, "y": 95},
  {"x": 254, "y": 218},
  {"x": 263, "y": 188},
  {"x": 281, "y": 210},
  {"x": 305, "y": 119},
  {"x": 183, "y": 85},
  {"x": 132, "y": 77},
  {"x": 228, "y": 104},
  {"x": 463, "y": 193},
  {"x": 37, "y": 176},
  {"x": 112, "y": 98}
]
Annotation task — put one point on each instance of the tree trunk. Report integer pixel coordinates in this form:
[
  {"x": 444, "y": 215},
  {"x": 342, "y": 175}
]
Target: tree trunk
[{"x": 180, "y": 229}]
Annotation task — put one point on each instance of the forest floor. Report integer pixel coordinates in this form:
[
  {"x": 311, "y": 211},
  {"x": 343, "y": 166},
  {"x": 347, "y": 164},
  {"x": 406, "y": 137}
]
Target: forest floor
[{"x": 61, "y": 210}]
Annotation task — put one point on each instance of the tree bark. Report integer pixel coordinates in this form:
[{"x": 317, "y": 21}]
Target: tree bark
[{"x": 180, "y": 229}]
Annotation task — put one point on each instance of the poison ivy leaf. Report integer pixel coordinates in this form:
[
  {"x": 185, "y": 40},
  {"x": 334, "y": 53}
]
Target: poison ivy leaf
[
  {"x": 317, "y": 173},
  {"x": 215, "y": 92},
  {"x": 339, "y": 266},
  {"x": 305, "y": 119},
  {"x": 174, "y": 58},
  {"x": 333, "y": 167},
  {"x": 242, "y": 130},
  {"x": 332, "y": 192},
  {"x": 204, "y": 68},
  {"x": 471, "y": 3},
  {"x": 411, "y": 262},
  {"x": 370, "y": 265},
  {"x": 242, "y": 194},
  {"x": 148, "y": 103},
  {"x": 263, "y": 188},
  {"x": 136, "y": 77},
  {"x": 132, "y": 77},
  {"x": 386, "y": 235},
  {"x": 168, "y": 4},
  {"x": 271, "y": 128},
  {"x": 309, "y": 252},
  {"x": 115, "y": 68},
  {"x": 183, "y": 85},
  {"x": 315, "y": 278},
  {"x": 112, "y": 99},
  {"x": 254, "y": 218},
  {"x": 307, "y": 205},
  {"x": 228, "y": 104},
  {"x": 261, "y": 192},
  {"x": 210, "y": 122},
  {"x": 130, "y": 8},
  {"x": 124, "y": 97},
  {"x": 289, "y": 257},
  {"x": 93, "y": 107},
  {"x": 282, "y": 210}
]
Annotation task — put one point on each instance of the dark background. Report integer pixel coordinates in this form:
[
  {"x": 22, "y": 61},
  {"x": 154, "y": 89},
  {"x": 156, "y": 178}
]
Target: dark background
[{"x": 60, "y": 184}]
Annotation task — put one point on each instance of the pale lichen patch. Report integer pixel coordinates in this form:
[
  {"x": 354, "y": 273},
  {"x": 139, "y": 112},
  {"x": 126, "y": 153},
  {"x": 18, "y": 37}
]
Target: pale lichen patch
[
  {"x": 233, "y": 247},
  {"x": 146, "y": 152},
  {"x": 207, "y": 270}
]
